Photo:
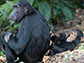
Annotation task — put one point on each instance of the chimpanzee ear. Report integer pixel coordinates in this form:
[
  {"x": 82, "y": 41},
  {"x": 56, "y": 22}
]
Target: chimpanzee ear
[{"x": 26, "y": 9}]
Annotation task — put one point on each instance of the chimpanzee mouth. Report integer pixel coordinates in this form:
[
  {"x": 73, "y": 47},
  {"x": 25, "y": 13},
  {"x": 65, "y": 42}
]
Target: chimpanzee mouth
[
  {"x": 67, "y": 40},
  {"x": 12, "y": 19}
]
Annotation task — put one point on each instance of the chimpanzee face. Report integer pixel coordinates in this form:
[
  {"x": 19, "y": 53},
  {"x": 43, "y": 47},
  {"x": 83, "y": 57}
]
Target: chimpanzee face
[
  {"x": 15, "y": 13},
  {"x": 19, "y": 11},
  {"x": 72, "y": 36}
]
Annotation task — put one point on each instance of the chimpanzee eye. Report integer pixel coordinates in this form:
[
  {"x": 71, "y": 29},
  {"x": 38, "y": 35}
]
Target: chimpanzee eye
[
  {"x": 71, "y": 33},
  {"x": 74, "y": 34},
  {"x": 14, "y": 6},
  {"x": 17, "y": 12}
]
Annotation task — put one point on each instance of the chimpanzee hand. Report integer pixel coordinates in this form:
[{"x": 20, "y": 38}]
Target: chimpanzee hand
[{"x": 8, "y": 35}]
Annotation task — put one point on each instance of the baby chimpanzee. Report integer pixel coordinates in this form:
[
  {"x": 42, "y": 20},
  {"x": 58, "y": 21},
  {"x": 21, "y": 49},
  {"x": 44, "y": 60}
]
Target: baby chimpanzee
[{"x": 63, "y": 43}]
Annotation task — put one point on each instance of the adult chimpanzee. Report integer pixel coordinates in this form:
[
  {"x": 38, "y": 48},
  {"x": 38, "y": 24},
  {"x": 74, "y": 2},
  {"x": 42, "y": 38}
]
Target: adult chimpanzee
[
  {"x": 32, "y": 40},
  {"x": 63, "y": 43}
]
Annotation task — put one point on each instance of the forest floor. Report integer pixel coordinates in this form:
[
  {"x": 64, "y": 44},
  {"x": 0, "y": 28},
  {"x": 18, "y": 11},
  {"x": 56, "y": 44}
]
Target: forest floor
[{"x": 77, "y": 55}]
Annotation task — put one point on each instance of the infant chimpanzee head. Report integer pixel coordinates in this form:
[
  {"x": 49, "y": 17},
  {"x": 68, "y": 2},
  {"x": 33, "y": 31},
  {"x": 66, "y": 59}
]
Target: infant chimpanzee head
[{"x": 75, "y": 34}]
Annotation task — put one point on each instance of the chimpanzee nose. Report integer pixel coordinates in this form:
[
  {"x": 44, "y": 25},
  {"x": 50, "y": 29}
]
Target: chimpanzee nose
[{"x": 10, "y": 17}]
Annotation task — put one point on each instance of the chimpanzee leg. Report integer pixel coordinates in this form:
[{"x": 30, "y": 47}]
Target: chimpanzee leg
[{"x": 10, "y": 57}]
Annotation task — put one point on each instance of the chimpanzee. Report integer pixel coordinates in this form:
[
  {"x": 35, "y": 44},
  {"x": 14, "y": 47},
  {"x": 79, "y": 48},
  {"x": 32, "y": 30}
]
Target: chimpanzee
[
  {"x": 63, "y": 43},
  {"x": 32, "y": 40}
]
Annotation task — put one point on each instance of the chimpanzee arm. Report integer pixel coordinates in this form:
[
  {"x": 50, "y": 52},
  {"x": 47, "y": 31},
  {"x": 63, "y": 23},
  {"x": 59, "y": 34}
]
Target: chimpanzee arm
[
  {"x": 19, "y": 43},
  {"x": 62, "y": 36},
  {"x": 76, "y": 43},
  {"x": 56, "y": 49},
  {"x": 53, "y": 50}
]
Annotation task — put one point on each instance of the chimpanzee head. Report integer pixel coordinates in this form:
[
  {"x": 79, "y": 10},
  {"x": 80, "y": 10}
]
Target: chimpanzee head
[
  {"x": 75, "y": 34},
  {"x": 20, "y": 10},
  {"x": 79, "y": 33}
]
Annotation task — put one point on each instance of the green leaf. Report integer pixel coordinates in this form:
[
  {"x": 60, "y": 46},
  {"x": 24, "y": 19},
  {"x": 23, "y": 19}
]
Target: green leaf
[
  {"x": 45, "y": 9},
  {"x": 57, "y": 12},
  {"x": 31, "y": 1},
  {"x": 71, "y": 4},
  {"x": 3, "y": 15},
  {"x": 66, "y": 11},
  {"x": 35, "y": 4},
  {"x": 11, "y": 29},
  {"x": 2, "y": 2},
  {"x": 1, "y": 53},
  {"x": 7, "y": 6},
  {"x": 16, "y": 25}
]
